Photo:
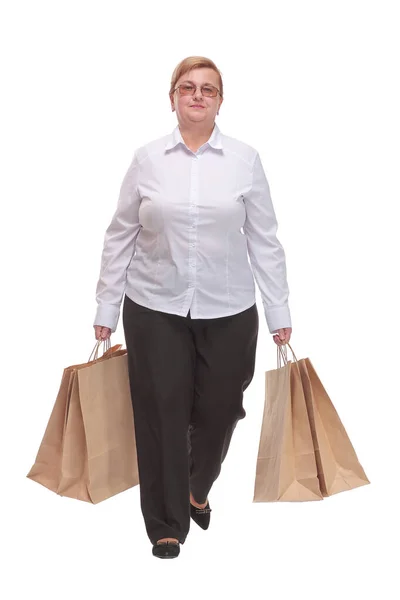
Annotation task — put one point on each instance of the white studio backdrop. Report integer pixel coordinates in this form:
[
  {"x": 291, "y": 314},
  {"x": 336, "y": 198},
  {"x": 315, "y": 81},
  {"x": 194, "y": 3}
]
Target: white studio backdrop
[{"x": 314, "y": 87}]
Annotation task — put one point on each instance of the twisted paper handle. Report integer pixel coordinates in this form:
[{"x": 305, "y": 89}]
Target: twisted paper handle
[
  {"x": 107, "y": 343},
  {"x": 281, "y": 352}
]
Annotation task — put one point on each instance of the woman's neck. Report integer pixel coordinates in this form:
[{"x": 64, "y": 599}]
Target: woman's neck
[{"x": 195, "y": 137}]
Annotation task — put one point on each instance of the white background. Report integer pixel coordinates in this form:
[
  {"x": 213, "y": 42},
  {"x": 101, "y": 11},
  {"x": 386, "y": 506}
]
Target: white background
[{"x": 314, "y": 87}]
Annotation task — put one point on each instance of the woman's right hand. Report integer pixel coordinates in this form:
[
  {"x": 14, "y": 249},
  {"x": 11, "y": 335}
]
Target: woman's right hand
[{"x": 102, "y": 333}]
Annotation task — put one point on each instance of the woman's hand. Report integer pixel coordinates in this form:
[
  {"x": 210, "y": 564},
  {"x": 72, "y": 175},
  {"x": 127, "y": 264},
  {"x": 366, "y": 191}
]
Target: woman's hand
[
  {"x": 282, "y": 336},
  {"x": 101, "y": 333}
]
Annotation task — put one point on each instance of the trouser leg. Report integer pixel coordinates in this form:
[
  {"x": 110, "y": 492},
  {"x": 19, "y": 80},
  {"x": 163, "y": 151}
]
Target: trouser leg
[
  {"x": 226, "y": 353},
  {"x": 161, "y": 363}
]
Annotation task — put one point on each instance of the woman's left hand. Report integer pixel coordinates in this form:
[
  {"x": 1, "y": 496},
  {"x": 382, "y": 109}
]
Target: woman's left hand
[{"x": 282, "y": 336}]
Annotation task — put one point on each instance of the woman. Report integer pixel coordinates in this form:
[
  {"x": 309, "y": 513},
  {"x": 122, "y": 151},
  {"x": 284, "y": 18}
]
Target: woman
[{"x": 191, "y": 206}]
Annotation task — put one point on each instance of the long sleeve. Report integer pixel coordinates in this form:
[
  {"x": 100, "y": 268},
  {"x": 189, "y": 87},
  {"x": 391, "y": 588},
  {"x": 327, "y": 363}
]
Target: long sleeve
[
  {"x": 118, "y": 249},
  {"x": 266, "y": 254}
]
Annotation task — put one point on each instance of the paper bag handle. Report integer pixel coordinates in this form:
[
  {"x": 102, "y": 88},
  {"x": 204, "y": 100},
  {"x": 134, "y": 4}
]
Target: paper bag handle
[
  {"x": 107, "y": 344},
  {"x": 281, "y": 352}
]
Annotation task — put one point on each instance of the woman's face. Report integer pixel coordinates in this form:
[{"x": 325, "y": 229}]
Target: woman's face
[{"x": 186, "y": 112}]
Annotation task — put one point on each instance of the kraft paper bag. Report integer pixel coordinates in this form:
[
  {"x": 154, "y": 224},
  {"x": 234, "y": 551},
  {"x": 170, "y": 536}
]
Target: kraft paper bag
[
  {"x": 88, "y": 451},
  {"x": 286, "y": 469},
  {"x": 338, "y": 467},
  {"x": 47, "y": 467}
]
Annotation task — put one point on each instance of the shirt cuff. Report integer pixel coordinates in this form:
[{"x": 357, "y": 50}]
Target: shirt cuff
[
  {"x": 278, "y": 317},
  {"x": 107, "y": 315}
]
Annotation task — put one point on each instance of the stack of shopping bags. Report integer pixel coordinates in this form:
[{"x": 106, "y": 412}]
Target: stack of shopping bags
[
  {"x": 304, "y": 452},
  {"x": 88, "y": 451}
]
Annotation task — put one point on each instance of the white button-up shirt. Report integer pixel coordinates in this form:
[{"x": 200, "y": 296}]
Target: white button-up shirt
[{"x": 185, "y": 227}]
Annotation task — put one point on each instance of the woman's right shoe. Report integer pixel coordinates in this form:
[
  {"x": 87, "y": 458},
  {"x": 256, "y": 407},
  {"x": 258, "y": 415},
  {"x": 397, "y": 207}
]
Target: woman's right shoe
[{"x": 166, "y": 549}]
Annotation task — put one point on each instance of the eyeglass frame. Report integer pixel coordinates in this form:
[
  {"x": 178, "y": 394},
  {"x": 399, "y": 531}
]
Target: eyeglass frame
[{"x": 198, "y": 86}]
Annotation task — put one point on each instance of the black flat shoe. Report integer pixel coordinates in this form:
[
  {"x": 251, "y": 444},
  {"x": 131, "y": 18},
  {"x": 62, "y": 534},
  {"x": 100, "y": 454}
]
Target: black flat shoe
[
  {"x": 201, "y": 515},
  {"x": 166, "y": 549}
]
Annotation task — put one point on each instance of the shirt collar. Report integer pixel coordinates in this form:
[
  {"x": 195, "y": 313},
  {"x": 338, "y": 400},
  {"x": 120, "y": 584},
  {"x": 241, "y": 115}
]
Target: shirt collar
[{"x": 175, "y": 138}]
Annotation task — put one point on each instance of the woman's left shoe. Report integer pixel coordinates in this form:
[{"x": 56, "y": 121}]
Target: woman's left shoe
[{"x": 201, "y": 515}]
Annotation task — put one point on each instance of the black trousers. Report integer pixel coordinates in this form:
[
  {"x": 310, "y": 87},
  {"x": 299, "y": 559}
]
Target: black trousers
[{"x": 187, "y": 378}]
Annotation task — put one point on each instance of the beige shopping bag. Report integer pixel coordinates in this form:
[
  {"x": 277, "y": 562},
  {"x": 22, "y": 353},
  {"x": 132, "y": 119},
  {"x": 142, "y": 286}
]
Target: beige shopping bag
[
  {"x": 286, "y": 468},
  {"x": 88, "y": 451},
  {"x": 338, "y": 466}
]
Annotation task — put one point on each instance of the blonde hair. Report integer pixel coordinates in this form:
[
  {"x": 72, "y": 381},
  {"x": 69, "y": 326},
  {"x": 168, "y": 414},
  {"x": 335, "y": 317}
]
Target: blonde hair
[{"x": 194, "y": 62}]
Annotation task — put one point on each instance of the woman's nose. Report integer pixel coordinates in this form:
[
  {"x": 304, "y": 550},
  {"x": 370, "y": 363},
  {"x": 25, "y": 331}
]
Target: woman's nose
[{"x": 196, "y": 93}]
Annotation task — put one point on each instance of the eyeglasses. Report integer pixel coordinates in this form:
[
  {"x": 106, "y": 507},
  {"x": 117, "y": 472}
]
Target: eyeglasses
[{"x": 189, "y": 88}]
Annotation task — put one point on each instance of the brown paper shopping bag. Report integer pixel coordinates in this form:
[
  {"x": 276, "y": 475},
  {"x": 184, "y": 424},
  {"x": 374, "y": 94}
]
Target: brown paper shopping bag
[
  {"x": 286, "y": 468},
  {"x": 88, "y": 451},
  {"x": 338, "y": 466}
]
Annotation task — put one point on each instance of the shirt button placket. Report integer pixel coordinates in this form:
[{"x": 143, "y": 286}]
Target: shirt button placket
[{"x": 193, "y": 198}]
